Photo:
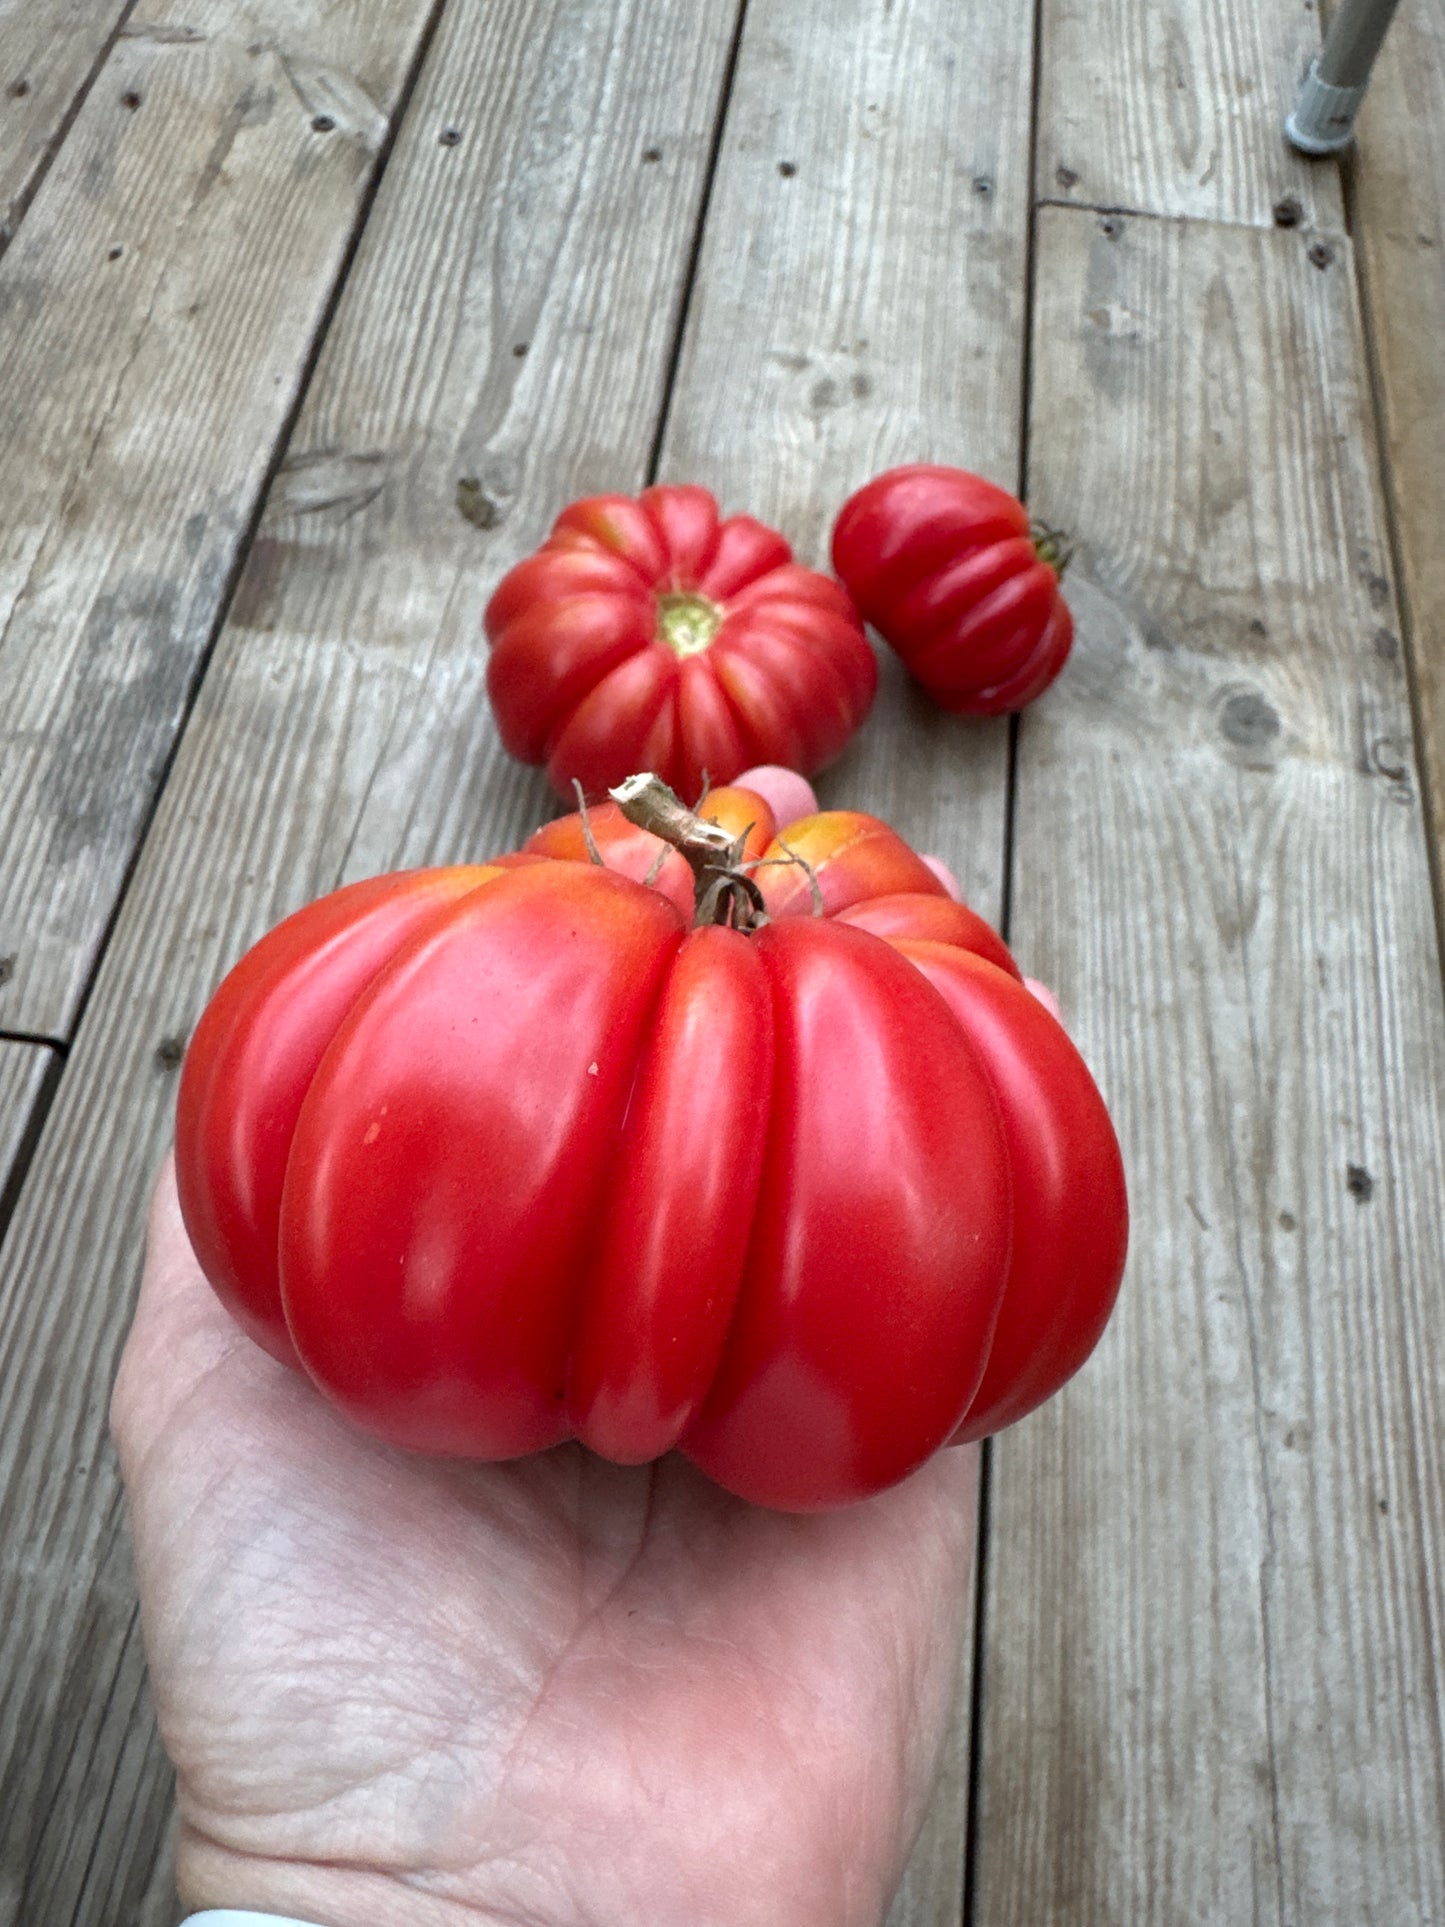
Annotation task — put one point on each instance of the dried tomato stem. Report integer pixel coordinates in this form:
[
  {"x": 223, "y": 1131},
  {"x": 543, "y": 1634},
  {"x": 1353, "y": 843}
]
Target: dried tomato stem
[
  {"x": 594, "y": 855},
  {"x": 724, "y": 892}
]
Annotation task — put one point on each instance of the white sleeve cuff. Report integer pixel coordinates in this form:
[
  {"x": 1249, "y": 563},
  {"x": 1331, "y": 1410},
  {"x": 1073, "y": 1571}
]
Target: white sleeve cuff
[{"x": 233, "y": 1917}]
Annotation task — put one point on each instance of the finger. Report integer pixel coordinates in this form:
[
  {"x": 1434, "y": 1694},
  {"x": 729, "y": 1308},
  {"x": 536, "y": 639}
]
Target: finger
[
  {"x": 175, "y": 1299},
  {"x": 787, "y": 794},
  {"x": 945, "y": 876},
  {"x": 1045, "y": 996}
]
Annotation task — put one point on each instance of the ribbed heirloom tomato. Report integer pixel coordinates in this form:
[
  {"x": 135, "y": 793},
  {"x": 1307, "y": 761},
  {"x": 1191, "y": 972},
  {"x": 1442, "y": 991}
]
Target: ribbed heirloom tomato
[
  {"x": 747, "y": 1143},
  {"x": 955, "y": 578},
  {"x": 650, "y": 634}
]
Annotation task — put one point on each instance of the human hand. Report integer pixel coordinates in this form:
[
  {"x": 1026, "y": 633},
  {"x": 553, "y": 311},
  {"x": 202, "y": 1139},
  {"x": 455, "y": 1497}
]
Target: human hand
[{"x": 403, "y": 1692}]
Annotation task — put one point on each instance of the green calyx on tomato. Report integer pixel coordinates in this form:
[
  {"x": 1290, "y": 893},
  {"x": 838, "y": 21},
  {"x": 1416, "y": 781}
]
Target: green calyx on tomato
[
  {"x": 687, "y": 623},
  {"x": 1052, "y": 547}
]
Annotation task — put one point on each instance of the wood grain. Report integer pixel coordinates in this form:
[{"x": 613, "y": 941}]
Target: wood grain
[
  {"x": 1178, "y": 108},
  {"x": 49, "y": 51},
  {"x": 341, "y": 729},
  {"x": 157, "y": 310},
  {"x": 860, "y": 302},
  {"x": 1214, "y": 1629},
  {"x": 107, "y": 1717},
  {"x": 1397, "y": 180},
  {"x": 24, "y": 1069}
]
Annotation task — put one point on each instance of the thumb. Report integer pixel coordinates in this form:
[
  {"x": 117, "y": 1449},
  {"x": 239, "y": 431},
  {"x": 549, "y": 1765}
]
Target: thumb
[{"x": 180, "y": 1331}]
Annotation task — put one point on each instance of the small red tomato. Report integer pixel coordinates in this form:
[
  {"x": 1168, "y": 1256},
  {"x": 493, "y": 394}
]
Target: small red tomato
[
  {"x": 777, "y": 1163},
  {"x": 953, "y": 576},
  {"x": 649, "y": 634}
]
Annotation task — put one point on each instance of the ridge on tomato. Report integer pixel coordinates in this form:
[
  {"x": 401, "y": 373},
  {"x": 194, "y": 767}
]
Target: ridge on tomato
[
  {"x": 954, "y": 577},
  {"x": 789, "y": 1171},
  {"x": 649, "y": 633}
]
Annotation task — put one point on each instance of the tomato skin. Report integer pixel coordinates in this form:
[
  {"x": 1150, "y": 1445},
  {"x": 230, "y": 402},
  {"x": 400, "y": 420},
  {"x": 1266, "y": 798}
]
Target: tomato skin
[
  {"x": 930, "y": 919},
  {"x": 659, "y": 1298},
  {"x": 251, "y": 1060},
  {"x": 507, "y": 1154},
  {"x": 452, "y": 1154},
  {"x": 651, "y": 634},
  {"x": 867, "y": 1310},
  {"x": 838, "y": 858},
  {"x": 944, "y": 565},
  {"x": 1071, "y": 1230}
]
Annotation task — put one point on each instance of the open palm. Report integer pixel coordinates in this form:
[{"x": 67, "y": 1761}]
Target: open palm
[{"x": 400, "y": 1690}]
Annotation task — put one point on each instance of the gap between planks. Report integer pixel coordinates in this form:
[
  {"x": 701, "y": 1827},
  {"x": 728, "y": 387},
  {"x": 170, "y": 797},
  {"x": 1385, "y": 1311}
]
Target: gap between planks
[
  {"x": 1179, "y": 109},
  {"x": 1295, "y": 224},
  {"x": 1395, "y": 187},
  {"x": 42, "y": 86},
  {"x": 29, "y": 1072}
]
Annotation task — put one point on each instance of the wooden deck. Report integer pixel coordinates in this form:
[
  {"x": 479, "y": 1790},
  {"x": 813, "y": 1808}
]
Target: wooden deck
[{"x": 278, "y": 276}]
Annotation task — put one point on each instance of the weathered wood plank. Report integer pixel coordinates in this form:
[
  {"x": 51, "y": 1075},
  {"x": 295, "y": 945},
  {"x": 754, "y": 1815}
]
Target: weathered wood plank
[
  {"x": 342, "y": 728},
  {"x": 860, "y": 302},
  {"x": 157, "y": 310},
  {"x": 1177, "y": 108},
  {"x": 1397, "y": 175},
  {"x": 51, "y": 48},
  {"x": 1214, "y": 1661},
  {"x": 23, "y": 1071}
]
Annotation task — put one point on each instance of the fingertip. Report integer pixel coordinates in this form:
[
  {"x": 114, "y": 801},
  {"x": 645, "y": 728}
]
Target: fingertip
[
  {"x": 787, "y": 794},
  {"x": 945, "y": 876},
  {"x": 1045, "y": 996}
]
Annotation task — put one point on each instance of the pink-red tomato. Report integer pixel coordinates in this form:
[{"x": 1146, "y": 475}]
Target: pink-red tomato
[
  {"x": 951, "y": 574},
  {"x": 513, "y": 1153},
  {"x": 651, "y": 634}
]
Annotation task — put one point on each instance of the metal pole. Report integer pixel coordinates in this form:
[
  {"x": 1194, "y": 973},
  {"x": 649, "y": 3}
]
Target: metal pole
[{"x": 1324, "y": 117}]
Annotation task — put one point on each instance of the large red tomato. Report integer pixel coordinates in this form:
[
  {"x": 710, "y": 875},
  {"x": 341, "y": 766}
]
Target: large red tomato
[
  {"x": 507, "y": 1154},
  {"x": 953, "y": 576},
  {"x": 648, "y": 634}
]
